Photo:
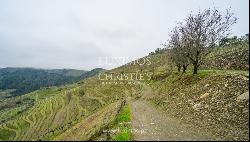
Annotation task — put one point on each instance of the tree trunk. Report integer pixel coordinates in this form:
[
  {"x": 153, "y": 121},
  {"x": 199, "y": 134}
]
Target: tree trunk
[
  {"x": 196, "y": 61},
  {"x": 184, "y": 68},
  {"x": 195, "y": 68},
  {"x": 179, "y": 68}
]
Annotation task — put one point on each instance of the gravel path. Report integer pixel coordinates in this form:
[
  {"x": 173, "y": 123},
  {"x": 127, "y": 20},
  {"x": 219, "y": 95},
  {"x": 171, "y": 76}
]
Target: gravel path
[{"x": 150, "y": 124}]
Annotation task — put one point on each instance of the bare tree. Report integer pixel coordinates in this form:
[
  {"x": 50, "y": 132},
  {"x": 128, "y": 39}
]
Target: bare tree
[
  {"x": 178, "y": 52},
  {"x": 201, "y": 32}
]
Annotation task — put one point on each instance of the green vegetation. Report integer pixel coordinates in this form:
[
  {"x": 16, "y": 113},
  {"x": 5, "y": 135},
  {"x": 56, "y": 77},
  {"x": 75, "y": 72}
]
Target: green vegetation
[
  {"x": 89, "y": 128},
  {"x": 47, "y": 113},
  {"x": 118, "y": 128},
  {"x": 122, "y": 123},
  {"x": 6, "y": 93},
  {"x": 25, "y": 80}
]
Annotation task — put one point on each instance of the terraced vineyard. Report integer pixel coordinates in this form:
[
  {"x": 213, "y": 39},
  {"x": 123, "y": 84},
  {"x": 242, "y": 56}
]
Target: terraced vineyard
[{"x": 55, "y": 110}]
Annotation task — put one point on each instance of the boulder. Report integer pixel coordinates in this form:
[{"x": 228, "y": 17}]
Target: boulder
[
  {"x": 204, "y": 95},
  {"x": 197, "y": 107},
  {"x": 243, "y": 97}
]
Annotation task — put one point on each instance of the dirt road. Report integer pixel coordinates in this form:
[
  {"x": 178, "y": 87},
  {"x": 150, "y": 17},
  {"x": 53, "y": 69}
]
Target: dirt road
[{"x": 149, "y": 123}]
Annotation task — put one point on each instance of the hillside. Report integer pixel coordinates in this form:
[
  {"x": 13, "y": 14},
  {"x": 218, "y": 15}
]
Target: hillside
[
  {"x": 213, "y": 102},
  {"x": 232, "y": 57},
  {"x": 45, "y": 114},
  {"x": 18, "y": 81},
  {"x": 216, "y": 100}
]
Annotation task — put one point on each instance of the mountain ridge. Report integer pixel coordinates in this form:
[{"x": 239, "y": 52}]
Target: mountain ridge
[{"x": 25, "y": 80}]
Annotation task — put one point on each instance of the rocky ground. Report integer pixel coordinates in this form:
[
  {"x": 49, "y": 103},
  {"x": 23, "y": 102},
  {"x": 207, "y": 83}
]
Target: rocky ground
[
  {"x": 215, "y": 103},
  {"x": 150, "y": 124}
]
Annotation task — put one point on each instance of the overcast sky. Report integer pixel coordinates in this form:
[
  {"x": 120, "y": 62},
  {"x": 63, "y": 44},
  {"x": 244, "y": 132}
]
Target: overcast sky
[{"x": 76, "y": 33}]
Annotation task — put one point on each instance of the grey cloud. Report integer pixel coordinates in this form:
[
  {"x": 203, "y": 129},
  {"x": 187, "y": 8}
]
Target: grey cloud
[{"x": 75, "y": 33}]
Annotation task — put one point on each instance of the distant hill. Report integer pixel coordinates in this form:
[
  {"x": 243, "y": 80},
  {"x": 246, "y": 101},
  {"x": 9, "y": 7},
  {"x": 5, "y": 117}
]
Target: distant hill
[
  {"x": 25, "y": 80},
  {"x": 67, "y": 72}
]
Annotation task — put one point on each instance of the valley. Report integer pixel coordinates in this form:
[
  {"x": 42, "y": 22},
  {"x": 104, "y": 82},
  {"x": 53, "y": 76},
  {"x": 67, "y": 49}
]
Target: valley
[
  {"x": 84, "y": 109},
  {"x": 210, "y": 102}
]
